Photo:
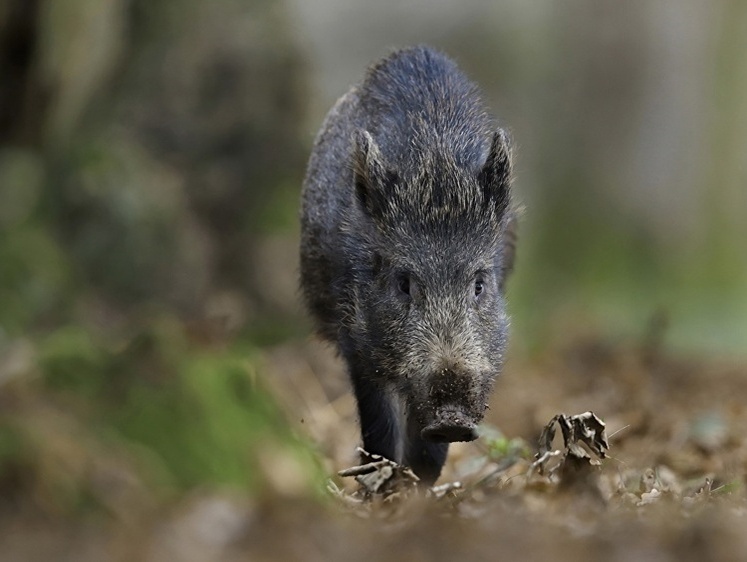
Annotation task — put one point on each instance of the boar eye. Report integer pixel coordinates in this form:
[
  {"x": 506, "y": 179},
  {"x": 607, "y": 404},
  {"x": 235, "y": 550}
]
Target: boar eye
[
  {"x": 403, "y": 284},
  {"x": 479, "y": 287}
]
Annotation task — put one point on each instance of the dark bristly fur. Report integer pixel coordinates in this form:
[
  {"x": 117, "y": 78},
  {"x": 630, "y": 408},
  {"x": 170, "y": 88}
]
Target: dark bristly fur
[{"x": 407, "y": 237}]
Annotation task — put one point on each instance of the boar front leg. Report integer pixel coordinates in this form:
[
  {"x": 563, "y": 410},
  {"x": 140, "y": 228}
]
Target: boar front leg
[
  {"x": 379, "y": 423},
  {"x": 425, "y": 458}
]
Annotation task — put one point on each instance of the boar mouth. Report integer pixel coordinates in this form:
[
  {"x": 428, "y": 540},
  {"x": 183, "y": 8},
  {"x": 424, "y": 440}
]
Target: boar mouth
[{"x": 449, "y": 426}]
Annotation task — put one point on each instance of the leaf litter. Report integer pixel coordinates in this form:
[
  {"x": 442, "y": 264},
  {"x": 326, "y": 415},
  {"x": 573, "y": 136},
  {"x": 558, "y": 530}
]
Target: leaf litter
[
  {"x": 384, "y": 486},
  {"x": 652, "y": 469}
]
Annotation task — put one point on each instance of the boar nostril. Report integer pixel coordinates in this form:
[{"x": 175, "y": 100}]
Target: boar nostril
[{"x": 445, "y": 432}]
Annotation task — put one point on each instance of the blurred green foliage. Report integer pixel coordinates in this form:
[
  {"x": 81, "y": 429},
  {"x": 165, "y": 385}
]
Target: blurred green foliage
[
  {"x": 146, "y": 150},
  {"x": 502, "y": 448},
  {"x": 172, "y": 416}
]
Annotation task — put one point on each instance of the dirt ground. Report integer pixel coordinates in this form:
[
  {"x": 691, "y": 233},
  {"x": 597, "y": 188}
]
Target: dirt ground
[{"x": 672, "y": 486}]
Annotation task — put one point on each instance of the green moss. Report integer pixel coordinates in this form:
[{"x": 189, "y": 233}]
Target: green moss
[
  {"x": 201, "y": 417},
  {"x": 11, "y": 443},
  {"x": 34, "y": 276},
  {"x": 71, "y": 361}
]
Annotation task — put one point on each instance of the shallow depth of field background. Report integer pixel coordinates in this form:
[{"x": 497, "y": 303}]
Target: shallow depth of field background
[
  {"x": 151, "y": 159},
  {"x": 630, "y": 128}
]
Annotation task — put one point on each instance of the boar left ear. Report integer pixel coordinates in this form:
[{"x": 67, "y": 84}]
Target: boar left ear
[{"x": 495, "y": 176}]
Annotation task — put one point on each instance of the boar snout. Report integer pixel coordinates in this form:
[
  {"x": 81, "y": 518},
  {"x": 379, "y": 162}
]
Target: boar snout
[{"x": 450, "y": 426}]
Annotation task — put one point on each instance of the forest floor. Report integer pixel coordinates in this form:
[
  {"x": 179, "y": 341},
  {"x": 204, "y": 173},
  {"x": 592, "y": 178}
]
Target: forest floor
[{"x": 671, "y": 486}]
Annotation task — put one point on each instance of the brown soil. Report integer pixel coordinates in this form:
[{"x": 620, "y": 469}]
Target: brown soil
[{"x": 672, "y": 486}]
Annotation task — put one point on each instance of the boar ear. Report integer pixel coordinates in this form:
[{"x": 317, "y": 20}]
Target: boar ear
[
  {"x": 370, "y": 175},
  {"x": 495, "y": 176},
  {"x": 508, "y": 245}
]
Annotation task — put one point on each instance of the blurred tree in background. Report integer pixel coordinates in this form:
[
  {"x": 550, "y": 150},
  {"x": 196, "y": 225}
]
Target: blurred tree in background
[
  {"x": 145, "y": 145},
  {"x": 146, "y": 148}
]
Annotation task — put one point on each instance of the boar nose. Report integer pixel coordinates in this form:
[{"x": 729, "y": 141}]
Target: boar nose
[{"x": 450, "y": 426}]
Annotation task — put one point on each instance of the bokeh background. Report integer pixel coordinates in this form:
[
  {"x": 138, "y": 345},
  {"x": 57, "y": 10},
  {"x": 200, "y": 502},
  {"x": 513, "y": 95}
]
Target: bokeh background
[
  {"x": 151, "y": 158},
  {"x": 630, "y": 127}
]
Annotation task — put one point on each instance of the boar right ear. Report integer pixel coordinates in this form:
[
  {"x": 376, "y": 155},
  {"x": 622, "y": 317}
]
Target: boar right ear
[
  {"x": 495, "y": 176},
  {"x": 370, "y": 175},
  {"x": 508, "y": 245}
]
